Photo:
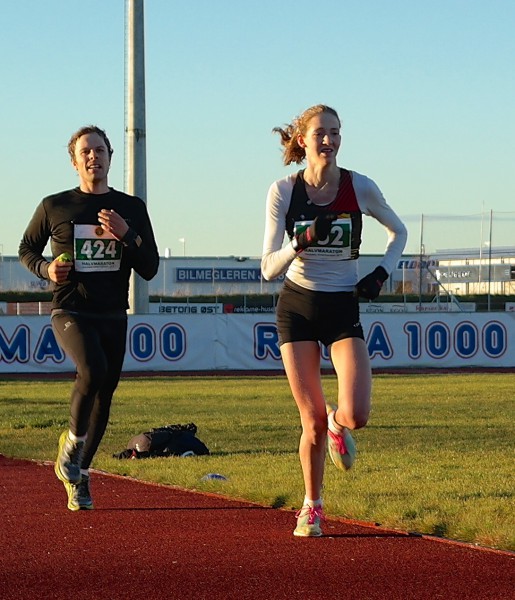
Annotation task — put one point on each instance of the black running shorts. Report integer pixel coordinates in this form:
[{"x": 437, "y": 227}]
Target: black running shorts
[{"x": 305, "y": 315}]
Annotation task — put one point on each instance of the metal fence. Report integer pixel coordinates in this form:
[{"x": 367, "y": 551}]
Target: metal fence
[
  {"x": 464, "y": 254},
  {"x": 448, "y": 256}
]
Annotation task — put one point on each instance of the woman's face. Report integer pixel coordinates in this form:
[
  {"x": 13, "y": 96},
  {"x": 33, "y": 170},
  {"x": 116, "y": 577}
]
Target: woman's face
[{"x": 322, "y": 138}]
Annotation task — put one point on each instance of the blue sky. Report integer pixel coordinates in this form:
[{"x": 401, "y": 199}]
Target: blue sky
[{"x": 425, "y": 91}]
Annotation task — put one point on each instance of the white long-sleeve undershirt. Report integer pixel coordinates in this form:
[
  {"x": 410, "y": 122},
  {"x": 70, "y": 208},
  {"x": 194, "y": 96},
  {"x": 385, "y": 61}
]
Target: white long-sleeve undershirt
[{"x": 325, "y": 275}]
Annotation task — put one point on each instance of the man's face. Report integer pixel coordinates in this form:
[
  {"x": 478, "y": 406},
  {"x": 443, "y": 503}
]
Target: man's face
[{"x": 91, "y": 158}]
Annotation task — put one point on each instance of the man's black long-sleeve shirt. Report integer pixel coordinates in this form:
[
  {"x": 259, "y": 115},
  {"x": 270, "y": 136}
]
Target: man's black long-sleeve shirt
[{"x": 91, "y": 289}]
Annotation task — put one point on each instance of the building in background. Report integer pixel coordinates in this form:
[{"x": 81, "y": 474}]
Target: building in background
[{"x": 456, "y": 272}]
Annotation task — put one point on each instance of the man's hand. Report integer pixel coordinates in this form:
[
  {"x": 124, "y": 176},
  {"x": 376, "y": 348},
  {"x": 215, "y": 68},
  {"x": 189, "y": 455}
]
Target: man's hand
[
  {"x": 59, "y": 268},
  {"x": 370, "y": 286},
  {"x": 318, "y": 230},
  {"x": 112, "y": 222}
]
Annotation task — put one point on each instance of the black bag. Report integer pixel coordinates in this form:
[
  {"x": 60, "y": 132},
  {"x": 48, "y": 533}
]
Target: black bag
[{"x": 169, "y": 440}]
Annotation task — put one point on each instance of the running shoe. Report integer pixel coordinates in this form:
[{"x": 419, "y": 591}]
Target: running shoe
[
  {"x": 79, "y": 496},
  {"x": 69, "y": 457},
  {"x": 341, "y": 446},
  {"x": 308, "y": 521}
]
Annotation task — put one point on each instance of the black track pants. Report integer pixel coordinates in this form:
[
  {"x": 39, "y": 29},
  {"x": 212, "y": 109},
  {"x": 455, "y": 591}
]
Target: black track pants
[{"x": 97, "y": 347}]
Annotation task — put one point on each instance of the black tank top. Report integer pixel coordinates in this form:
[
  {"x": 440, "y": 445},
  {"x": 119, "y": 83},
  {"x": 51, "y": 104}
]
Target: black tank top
[{"x": 302, "y": 209}]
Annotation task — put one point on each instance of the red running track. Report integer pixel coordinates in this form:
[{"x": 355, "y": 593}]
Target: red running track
[{"x": 152, "y": 542}]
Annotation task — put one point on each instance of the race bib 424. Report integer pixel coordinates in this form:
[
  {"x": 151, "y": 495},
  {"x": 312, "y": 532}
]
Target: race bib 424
[{"x": 96, "y": 249}]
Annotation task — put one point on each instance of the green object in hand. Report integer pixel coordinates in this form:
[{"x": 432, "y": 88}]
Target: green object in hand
[{"x": 65, "y": 257}]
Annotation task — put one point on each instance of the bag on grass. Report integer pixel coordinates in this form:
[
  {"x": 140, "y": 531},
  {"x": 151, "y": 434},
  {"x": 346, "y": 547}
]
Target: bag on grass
[{"x": 169, "y": 440}]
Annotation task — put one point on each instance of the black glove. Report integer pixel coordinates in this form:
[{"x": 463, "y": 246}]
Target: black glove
[
  {"x": 370, "y": 286},
  {"x": 318, "y": 230}
]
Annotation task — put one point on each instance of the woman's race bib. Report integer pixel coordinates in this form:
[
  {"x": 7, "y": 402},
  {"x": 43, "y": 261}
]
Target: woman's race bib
[{"x": 336, "y": 246}]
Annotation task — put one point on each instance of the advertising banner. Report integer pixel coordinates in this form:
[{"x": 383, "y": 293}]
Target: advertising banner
[{"x": 249, "y": 342}]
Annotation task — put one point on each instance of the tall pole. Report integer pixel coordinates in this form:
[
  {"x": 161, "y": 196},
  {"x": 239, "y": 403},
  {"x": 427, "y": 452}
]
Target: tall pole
[
  {"x": 421, "y": 258},
  {"x": 135, "y": 131},
  {"x": 490, "y": 260},
  {"x": 480, "y": 278}
]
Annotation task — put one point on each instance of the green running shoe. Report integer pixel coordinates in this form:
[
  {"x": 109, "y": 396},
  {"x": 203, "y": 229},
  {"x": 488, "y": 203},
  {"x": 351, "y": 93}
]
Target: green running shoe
[
  {"x": 79, "y": 496},
  {"x": 69, "y": 457}
]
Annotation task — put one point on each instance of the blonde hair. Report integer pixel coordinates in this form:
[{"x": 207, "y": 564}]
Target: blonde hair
[{"x": 292, "y": 152}]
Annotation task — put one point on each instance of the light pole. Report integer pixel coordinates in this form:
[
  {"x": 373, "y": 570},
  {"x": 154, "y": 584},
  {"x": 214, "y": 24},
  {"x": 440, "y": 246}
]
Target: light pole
[
  {"x": 168, "y": 253},
  {"x": 135, "y": 131}
]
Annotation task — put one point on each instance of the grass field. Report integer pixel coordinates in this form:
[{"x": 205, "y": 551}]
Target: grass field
[{"x": 437, "y": 456}]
